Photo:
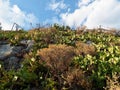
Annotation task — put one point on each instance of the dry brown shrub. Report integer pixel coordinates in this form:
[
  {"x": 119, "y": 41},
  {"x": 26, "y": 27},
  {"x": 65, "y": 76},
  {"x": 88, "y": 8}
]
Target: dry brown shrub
[
  {"x": 57, "y": 57},
  {"x": 48, "y": 35},
  {"x": 76, "y": 80},
  {"x": 83, "y": 49},
  {"x": 113, "y": 83},
  {"x": 81, "y": 30}
]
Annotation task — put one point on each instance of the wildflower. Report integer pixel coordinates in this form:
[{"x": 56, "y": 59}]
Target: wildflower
[
  {"x": 41, "y": 77},
  {"x": 15, "y": 78},
  {"x": 33, "y": 59},
  {"x": 0, "y": 65}
]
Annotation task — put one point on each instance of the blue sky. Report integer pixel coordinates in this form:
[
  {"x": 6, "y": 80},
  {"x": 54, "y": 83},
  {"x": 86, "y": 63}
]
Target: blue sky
[
  {"x": 74, "y": 13},
  {"x": 41, "y": 8}
]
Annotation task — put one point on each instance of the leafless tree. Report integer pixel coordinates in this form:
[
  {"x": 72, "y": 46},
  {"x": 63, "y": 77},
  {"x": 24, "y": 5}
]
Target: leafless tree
[{"x": 16, "y": 26}]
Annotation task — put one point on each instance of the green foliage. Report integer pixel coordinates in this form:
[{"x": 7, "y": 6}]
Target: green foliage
[
  {"x": 61, "y": 27},
  {"x": 105, "y": 63}
]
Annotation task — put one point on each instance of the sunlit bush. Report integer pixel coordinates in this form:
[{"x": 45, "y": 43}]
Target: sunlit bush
[{"x": 57, "y": 57}]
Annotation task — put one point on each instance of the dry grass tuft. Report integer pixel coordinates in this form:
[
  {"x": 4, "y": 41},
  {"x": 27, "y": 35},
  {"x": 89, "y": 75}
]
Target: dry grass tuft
[
  {"x": 83, "y": 49},
  {"x": 81, "y": 30},
  {"x": 76, "y": 79},
  {"x": 113, "y": 84}
]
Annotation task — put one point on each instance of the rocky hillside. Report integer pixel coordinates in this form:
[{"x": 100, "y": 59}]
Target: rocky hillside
[{"x": 58, "y": 58}]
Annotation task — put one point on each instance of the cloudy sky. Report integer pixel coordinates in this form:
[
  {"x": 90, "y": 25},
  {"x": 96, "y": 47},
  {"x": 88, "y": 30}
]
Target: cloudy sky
[{"x": 74, "y": 13}]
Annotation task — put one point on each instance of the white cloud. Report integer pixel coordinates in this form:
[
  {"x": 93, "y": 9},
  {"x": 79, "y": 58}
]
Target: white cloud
[
  {"x": 106, "y": 13},
  {"x": 57, "y": 6},
  {"x": 77, "y": 17},
  {"x": 83, "y": 2},
  {"x": 10, "y": 14},
  {"x": 93, "y": 14}
]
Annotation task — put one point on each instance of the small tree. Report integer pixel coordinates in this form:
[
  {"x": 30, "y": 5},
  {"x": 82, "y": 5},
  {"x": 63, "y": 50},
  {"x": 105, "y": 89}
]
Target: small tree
[{"x": 0, "y": 26}]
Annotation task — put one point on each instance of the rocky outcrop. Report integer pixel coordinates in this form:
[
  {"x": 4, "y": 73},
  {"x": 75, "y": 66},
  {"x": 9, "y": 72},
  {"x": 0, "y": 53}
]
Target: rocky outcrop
[
  {"x": 117, "y": 33},
  {"x": 5, "y": 50},
  {"x": 11, "y": 56}
]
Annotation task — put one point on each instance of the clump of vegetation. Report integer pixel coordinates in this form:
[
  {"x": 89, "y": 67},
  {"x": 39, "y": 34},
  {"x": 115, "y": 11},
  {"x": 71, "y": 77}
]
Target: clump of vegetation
[
  {"x": 57, "y": 57},
  {"x": 84, "y": 48},
  {"x": 64, "y": 59}
]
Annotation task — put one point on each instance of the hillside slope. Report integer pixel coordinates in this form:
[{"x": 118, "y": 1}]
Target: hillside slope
[{"x": 59, "y": 58}]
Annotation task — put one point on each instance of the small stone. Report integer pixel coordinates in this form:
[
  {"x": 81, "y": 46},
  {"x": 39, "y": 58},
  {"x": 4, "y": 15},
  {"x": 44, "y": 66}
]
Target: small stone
[{"x": 89, "y": 42}]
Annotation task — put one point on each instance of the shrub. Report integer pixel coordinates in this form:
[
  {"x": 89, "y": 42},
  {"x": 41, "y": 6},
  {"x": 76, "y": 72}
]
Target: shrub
[
  {"x": 83, "y": 49},
  {"x": 75, "y": 79},
  {"x": 112, "y": 83},
  {"x": 57, "y": 57}
]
